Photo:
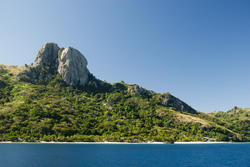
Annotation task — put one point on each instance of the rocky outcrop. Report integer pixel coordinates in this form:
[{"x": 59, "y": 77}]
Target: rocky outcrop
[
  {"x": 73, "y": 67},
  {"x": 68, "y": 62},
  {"x": 136, "y": 90},
  {"x": 165, "y": 99},
  {"x": 44, "y": 66},
  {"x": 47, "y": 56},
  {"x": 169, "y": 100}
]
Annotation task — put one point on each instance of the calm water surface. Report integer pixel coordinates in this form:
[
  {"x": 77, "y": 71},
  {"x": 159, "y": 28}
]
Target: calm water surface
[{"x": 123, "y": 155}]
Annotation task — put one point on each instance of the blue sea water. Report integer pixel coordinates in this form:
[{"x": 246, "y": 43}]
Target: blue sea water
[{"x": 124, "y": 155}]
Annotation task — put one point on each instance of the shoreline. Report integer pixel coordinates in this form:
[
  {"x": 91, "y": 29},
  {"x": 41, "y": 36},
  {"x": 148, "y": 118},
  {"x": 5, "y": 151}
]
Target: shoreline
[{"x": 158, "y": 143}]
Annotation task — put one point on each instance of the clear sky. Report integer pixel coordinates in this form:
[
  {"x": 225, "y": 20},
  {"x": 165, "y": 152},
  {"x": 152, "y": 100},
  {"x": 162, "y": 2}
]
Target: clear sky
[{"x": 198, "y": 50}]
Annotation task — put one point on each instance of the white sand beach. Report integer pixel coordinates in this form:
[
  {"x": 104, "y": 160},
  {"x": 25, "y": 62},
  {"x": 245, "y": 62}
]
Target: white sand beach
[{"x": 52, "y": 142}]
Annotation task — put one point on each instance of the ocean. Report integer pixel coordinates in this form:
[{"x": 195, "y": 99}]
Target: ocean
[{"x": 124, "y": 155}]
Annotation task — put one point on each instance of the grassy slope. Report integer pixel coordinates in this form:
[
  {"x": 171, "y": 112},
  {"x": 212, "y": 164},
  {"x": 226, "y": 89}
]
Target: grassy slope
[
  {"x": 56, "y": 112},
  {"x": 237, "y": 119}
]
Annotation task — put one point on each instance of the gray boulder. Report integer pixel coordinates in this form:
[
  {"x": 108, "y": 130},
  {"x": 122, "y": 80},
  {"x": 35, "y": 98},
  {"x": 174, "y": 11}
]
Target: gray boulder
[
  {"x": 45, "y": 64},
  {"x": 47, "y": 55},
  {"x": 72, "y": 66}
]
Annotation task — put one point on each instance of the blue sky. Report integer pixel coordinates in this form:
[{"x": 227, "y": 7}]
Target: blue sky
[{"x": 198, "y": 50}]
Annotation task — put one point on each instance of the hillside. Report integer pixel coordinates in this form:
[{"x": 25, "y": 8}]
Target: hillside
[
  {"x": 58, "y": 99},
  {"x": 237, "y": 119}
]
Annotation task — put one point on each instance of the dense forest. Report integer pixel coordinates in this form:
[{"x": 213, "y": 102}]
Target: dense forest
[{"x": 55, "y": 111}]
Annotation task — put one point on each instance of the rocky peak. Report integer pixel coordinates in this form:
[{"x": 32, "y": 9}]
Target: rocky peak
[
  {"x": 68, "y": 62},
  {"x": 73, "y": 67},
  {"x": 47, "y": 55}
]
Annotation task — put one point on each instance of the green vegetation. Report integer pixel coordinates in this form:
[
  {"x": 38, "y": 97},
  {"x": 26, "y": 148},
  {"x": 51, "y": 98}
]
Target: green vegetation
[
  {"x": 54, "y": 111},
  {"x": 237, "y": 119}
]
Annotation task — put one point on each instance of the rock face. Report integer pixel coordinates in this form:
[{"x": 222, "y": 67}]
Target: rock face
[
  {"x": 137, "y": 90},
  {"x": 169, "y": 100},
  {"x": 72, "y": 66},
  {"x": 69, "y": 63},
  {"x": 47, "y": 55}
]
